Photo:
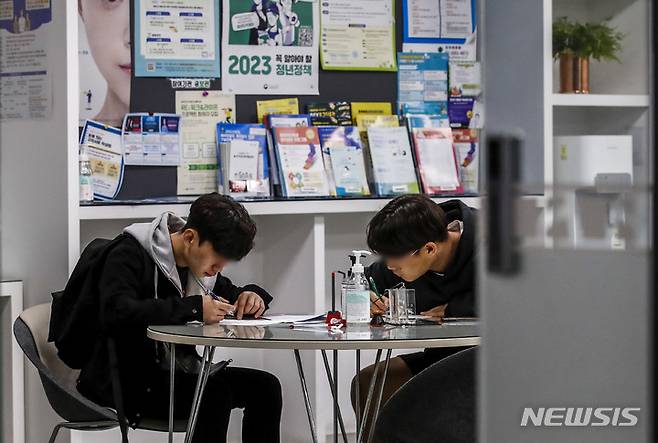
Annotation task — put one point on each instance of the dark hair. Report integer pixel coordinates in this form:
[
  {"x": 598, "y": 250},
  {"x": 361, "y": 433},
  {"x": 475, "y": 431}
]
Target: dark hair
[
  {"x": 223, "y": 222},
  {"x": 405, "y": 224}
]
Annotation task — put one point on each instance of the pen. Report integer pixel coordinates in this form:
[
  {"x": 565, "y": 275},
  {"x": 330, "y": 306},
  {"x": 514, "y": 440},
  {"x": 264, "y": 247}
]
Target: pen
[
  {"x": 373, "y": 286},
  {"x": 210, "y": 293}
]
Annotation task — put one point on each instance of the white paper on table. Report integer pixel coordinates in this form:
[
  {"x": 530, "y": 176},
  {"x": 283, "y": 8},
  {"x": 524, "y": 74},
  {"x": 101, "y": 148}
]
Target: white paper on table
[
  {"x": 243, "y": 159},
  {"x": 295, "y": 318},
  {"x": 272, "y": 320},
  {"x": 247, "y": 322}
]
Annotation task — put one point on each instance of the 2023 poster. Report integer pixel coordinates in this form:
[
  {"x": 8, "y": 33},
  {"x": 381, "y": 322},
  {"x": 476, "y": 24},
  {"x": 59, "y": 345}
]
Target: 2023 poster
[{"x": 270, "y": 47}]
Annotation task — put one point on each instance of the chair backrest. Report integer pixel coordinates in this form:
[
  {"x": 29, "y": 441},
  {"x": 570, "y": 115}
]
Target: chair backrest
[
  {"x": 37, "y": 319},
  {"x": 59, "y": 381}
]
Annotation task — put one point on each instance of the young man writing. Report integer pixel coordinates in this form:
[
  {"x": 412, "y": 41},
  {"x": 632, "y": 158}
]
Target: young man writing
[
  {"x": 162, "y": 273},
  {"x": 431, "y": 248}
]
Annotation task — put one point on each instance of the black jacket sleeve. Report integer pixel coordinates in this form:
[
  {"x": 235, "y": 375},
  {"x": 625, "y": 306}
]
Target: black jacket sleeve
[
  {"x": 122, "y": 296},
  {"x": 225, "y": 288},
  {"x": 383, "y": 278},
  {"x": 462, "y": 306}
]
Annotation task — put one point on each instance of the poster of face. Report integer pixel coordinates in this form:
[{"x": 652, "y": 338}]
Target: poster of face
[
  {"x": 270, "y": 46},
  {"x": 104, "y": 56}
]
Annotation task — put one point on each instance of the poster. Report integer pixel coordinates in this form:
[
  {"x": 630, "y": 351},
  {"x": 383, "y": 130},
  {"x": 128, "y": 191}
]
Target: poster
[
  {"x": 103, "y": 146},
  {"x": 177, "y": 38},
  {"x": 423, "y": 83},
  {"x": 358, "y": 36},
  {"x": 104, "y": 59},
  {"x": 200, "y": 112},
  {"x": 440, "y": 26},
  {"x": 25, "y": 80},
  {"x": 270, "y": 47}
]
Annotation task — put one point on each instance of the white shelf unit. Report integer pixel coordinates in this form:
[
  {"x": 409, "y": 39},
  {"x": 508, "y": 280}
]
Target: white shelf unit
[
  {"x": 301, "y": 207},
  {"x": 604, "y": 100},
  {"x": 619, "y": 102}
]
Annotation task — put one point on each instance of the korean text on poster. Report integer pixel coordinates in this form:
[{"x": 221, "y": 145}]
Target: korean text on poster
[{"x": 270, "y": 47}]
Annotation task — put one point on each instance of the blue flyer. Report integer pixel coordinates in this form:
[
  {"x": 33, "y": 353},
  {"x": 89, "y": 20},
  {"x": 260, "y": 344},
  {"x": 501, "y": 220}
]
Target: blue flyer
[
  {"x": 423, "y": 83},
  {"x": 177, "y": 38}
]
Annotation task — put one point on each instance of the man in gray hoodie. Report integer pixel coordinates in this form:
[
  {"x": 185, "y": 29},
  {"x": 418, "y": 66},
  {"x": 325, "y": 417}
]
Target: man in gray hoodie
[{"x": 162, "y": 273}]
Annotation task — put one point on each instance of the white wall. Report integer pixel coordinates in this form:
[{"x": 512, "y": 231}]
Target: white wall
[{"x": 33, "y": 211}]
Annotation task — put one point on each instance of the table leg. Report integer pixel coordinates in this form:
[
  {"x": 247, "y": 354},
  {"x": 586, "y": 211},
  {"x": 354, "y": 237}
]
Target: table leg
[
  {"x": 379, "y": 396},
  {"x": 336, "y": 406},
  {"x": 334, "y": 394},
  {"x": 358, "y": 389},
  {"x": 307, "y": 400},
  {"x": 208, "y": 353},
  {"x": 172, "y": 373},
  {"x": 371, "y": 390}
]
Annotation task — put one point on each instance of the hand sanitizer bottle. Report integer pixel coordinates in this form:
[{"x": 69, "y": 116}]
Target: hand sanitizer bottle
[
  {"x": 86, "y": 183},
  {"x": 357, "y": 292}
]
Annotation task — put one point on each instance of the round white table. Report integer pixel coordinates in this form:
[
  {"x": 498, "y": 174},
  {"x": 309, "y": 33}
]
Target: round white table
[{"x": 282, "y": 336}]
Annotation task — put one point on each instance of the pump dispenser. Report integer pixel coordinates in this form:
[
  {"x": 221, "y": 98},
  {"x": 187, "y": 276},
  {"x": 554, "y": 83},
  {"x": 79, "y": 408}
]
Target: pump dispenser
[{"x": 356, "y": 292}]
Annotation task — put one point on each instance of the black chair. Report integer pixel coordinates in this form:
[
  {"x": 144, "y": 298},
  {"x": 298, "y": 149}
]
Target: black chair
[
  {"x": 59, "y": 381},
  {"x": 437, "y": 405}
]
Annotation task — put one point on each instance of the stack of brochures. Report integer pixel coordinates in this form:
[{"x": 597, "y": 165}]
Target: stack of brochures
[{"x": 243, "y": 160}]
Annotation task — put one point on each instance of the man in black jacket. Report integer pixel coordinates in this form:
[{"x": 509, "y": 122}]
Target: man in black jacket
[
  {"x": 431, "y": 248},
  {"x": 160, "y": 273}
]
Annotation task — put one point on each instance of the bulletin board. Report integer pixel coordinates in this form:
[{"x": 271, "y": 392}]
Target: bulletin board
[{"x": 156, "y": 95}]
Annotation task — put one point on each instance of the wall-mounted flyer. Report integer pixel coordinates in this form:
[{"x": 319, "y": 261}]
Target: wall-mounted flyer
[
  {"x": 437, "y": 161},
  {"x": 392, "y": 161},
  {"x": 151, "y": 139},
  {"x": 358, "y": 36},
  {"x": 423, "y": 83},
  {"x": 300, "y": 162},
  {"x": 343, "y": 154},
  {"x": 440, "y": 26},
  {"x": 200, "y": 112},
  {"x": 270, "y": 47},
  {"x": 177, "y": 38},
  {"x": 465, "y": 112},
  {"x": 25, "y": 79},
  {"x": 102, "y": 144},
  {"x": 465, "y": 79}
]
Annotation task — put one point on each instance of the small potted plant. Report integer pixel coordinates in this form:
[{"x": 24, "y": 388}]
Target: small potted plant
[
  {"x": 563, "y": 30},
  {"x": 574, "y": 44}
]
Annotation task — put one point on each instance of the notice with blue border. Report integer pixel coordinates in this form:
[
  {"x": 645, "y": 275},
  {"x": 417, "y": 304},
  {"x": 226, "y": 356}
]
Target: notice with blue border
[
  {"x": 440, "y": 26},
  {"x": 177, "y": 38}
]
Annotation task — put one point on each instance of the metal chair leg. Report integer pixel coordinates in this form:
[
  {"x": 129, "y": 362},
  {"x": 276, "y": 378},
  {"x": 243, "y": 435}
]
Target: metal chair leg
[
  {"x": 371, "y": 390},
  {"x": 307, "y": 400},
  {"x": 338, "y": 416},
  {"x": 172, "y": 374},
  {"x": 379, "y": 397},
  {"x": 56, "y": 429},
  {"x": 208, "y": 354}
]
